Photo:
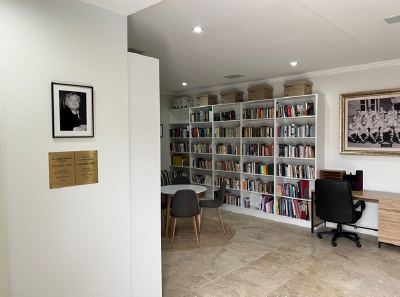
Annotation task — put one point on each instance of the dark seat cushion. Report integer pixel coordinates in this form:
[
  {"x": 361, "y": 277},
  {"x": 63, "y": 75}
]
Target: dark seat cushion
[{"x": 209, "y": 203}]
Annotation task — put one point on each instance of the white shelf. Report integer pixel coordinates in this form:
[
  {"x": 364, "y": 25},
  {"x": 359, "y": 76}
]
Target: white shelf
[
  {"x": 182, "y": 117},
  {"x": 180, "y": 166}
]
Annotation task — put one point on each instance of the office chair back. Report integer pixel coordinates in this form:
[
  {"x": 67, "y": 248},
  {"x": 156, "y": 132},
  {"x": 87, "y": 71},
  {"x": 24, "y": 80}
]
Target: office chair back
[
  {"x": 181, "y": 180},
  {"x": 185, "y": 204},
  {"x": 334, "y": 201}
]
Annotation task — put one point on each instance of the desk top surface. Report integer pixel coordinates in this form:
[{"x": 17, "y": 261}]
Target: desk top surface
[
  {"x": 375, "y": 196},
  {"x": 172, "y": 189}
]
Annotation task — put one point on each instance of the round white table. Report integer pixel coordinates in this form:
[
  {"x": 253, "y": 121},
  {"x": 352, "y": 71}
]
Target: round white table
[{"x": 171, "y": 190}]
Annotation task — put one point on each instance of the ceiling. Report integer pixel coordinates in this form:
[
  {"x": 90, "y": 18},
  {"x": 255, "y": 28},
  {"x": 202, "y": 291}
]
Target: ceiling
[
  {"x": 125, "y": 7},
  {"x": 259, "y": 38}
]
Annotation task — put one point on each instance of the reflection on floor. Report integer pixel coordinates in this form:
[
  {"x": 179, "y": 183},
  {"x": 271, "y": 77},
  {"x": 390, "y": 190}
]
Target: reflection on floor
[{"x": 266, "y": 258}]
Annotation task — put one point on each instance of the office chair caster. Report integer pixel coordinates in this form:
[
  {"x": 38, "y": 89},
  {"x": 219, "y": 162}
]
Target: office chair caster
[
  {"x": 358, "y": 244},
  {"x": 357, "y": 238},
  {"x": 319, "y": 236},
  {"x": 334, "y": 244}
]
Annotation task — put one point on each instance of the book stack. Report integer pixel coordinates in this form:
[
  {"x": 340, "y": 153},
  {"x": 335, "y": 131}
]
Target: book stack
[
  {"x": 296, "y": 151},
  {"x": 257, "y": 185},
  {"x": 258, "y": 168},
  {"x": 295, "y": 171},
  {"x": 293, "y": 208},
  {"x": 231, "y": 182},
  {"x": 179, "y": 132},
  {"x": 246, "y": 202},
  {"x": 176, "y": 173},
  {"x": 258, "y": 113},
  {"x": 201, "y": 163},
  {"x": 227, "y": 132},
  {"x": 201, "y": 132},
  {"x": 227, "y": 166},
  {"x": 258, "y": 149},
  {"x": 200, "y": 117},
  {"x": 232, "y": 199},
  {"x": 202, "y": 179},
  {"x": 181, "y": 161},
  {"x": 263, "y": 131},
  {"x": 266, "y": 203},
  {"x": 225, "y": 116},
  {"x": 179, "y": 147},
  {"x": 201, "y": 148},
  {"x": 298, "y": 110},
  {"x": 226, "y": 149},
  {"x": 295, "y": 130},
  {"x": 298, "y": 190}
]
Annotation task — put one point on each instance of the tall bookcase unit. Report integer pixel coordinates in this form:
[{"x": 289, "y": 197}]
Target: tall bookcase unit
[{"x": 269, "y": 151}]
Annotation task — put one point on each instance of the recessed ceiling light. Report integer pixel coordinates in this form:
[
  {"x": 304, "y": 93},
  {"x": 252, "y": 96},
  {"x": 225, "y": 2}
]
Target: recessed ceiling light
[
  {"x": 184, "y": 84},
  {"x": 293, "y": 63},
  {"x": 197, "y": 29}
]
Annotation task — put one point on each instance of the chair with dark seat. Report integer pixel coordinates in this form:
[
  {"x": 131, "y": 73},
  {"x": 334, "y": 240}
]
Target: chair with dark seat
[
  {"x": 334, "y": 203},
  {"x": 185, "y": 205},
  {"x": 214, "y": 203},
  {"x": 181, "y": 180}
]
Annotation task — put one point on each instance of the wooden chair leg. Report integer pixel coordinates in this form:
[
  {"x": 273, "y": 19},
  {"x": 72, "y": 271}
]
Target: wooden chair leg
[
  {"x": 220, "y": 219},
  {"x": 173, "y": 232},
  {"x": 195, "y": 230},
  {"x": 200, "y": 217},
  {"x": 198, "y": 222}
]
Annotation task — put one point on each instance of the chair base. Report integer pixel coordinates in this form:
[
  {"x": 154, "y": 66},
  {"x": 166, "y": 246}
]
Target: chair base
[{"x": 340, "y": 233}]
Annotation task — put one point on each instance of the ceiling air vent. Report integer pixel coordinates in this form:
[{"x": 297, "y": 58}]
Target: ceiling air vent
[
  {"x": 233, "y": 76},
  {"x": 135, "y": 51},
  {"x": 393, "y": 19}
]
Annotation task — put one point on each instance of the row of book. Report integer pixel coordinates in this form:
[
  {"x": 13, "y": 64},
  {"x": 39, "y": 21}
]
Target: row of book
[
  {"x": 258, "y": 149},
  {"x": 295, "y": 130},
  {"x": 176, "y": 173},
  {"x": 201, "y": 116},
  {"x": 225, "y": 116},
  {"x": 296, "y": 151},
  {"x": 227, "y": 132},
  {"x": 202, "y": 179},
  {"x": 226, "y": 149},
  {"x": 258, "y": 113},
  {"x": 179, "y": 160},
  {"x": 202, "y": 132},
  {"x": 232, "y": 199},
  {"x": 297, "y": 110},
  {"x": 179, "y": 147},
  {"x": 266, "y": 203},
  {"x": 202, "y": 163},
  {"x": 179, "y": 132},
  {"x": 246, "y": 202},
  {"x": 295, "y": 171},
  {"x": 297, "y": 190},
  {"x": 258, "y": 185},
  {"x": 263, "y": 131},
  {"x": 231, "y": 182},
  {"x": 201, "y": 148},
  {"x": 258, "y": 168},
  {"x": 293, "y": 208},
  {"x": 227, "y": 166}
]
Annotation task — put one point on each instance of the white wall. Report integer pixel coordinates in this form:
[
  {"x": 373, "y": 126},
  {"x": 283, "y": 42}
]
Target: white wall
[
  {"x": 144, "y": 114},
  {"x": 380, "y": 172},
  {"x": 72, "y": 241},
  {"x": 3, "y": 269}
]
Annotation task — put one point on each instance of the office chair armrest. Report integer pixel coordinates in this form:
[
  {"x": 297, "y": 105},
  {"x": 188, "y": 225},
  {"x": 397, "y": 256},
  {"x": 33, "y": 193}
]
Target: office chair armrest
[{"x": 358, "y": 204}]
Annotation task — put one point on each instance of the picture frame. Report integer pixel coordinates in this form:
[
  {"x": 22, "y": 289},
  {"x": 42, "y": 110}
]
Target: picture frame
[
  {"x": 370, "y": 123},
  {"x": 72, "y": 110}
]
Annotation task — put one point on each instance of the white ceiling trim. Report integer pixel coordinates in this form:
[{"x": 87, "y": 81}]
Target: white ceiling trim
[{"x": 294, "y": 77}]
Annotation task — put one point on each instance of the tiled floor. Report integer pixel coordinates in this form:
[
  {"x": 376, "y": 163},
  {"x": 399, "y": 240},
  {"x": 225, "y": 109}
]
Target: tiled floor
[{"x": 266, "y": 258}]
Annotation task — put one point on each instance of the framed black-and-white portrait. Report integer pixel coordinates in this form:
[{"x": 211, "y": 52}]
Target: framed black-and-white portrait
[
  {"x": 72, "y": 110},
  {"x": 370, "y": 123}
]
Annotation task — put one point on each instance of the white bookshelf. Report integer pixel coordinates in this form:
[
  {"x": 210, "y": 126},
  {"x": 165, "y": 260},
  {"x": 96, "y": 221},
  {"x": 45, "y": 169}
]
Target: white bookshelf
[{"x": 182, "y": 118}]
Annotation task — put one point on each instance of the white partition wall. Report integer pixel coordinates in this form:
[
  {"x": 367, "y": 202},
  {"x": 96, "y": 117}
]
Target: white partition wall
[{"x": 144, "y": 117}]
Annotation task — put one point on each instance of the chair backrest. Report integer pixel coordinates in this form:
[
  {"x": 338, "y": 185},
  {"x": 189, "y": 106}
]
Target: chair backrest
[
  {"x": 181, "y": 180},
  {"x": 165, "y": 178},
  {"x": 221, "y": 193},
  {"x": 334, "y": 201},
  {"x": 184, "y": 204}
]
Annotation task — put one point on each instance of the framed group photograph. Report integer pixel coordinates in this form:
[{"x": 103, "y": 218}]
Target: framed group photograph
[
  {"x": 370, "y": 123},
  {"x": 72, "y": 110}
]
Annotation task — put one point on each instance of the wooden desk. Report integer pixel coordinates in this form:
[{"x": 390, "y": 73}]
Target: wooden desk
[{"x": 388, "y": 213}]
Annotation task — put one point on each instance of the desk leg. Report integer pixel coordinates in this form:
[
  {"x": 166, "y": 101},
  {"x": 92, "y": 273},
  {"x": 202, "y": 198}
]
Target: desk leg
[{"x": 167, "y": 215}]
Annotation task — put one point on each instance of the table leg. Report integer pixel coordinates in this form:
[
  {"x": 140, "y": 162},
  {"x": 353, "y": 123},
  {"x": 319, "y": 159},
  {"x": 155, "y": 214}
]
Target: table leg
[{"x": 167, "y": 215}]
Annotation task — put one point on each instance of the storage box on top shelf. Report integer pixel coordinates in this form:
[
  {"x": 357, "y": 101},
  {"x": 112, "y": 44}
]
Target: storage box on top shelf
[
  {"x": 260, "y": 92},
  {"x": 182, "y": 102},
  {"x": 298, "y": 88},
  {"x": 231, "y": 97},
  {"x": 203, "y": 100}
]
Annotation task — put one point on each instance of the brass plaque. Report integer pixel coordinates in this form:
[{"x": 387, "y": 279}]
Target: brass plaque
[
  {"x": 86, "y": 167},
  {"x": 61, "y": 169}
]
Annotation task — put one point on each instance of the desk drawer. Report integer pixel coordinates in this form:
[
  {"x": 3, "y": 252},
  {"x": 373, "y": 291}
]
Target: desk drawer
[{"x": 389, "y": 221}]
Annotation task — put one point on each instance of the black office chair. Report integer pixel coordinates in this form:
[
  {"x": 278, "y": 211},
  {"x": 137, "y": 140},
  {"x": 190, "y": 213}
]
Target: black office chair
[
  {"x": 215, "y": 203},
  {"x": 184, "y": 205},
  {"x": 334, "y": 203},
  {"x": 181, "y": 180}
]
